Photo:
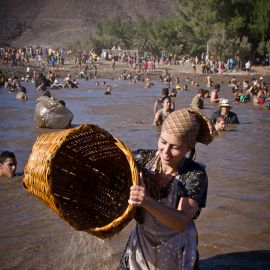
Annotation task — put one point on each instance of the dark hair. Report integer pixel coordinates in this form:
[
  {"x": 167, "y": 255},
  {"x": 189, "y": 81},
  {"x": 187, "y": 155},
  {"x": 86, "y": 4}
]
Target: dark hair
[
  {"x": 217, "y": 86},
  {"x": 62, "y": 102},
  {"x": 6, "y": 154},
  {"x": 201, "y": 91},
  {"x": 165, "y": 92},
  {"x": 168, "y": 98},
  {"x": 47, "y": 94}
]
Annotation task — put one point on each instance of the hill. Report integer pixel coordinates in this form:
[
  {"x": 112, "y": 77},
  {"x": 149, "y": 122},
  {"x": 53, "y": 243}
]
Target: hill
[{"x": 58, "y": 22}]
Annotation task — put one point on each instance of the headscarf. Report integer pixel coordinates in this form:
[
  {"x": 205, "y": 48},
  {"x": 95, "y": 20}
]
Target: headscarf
[{"x": 191, "y": 126}]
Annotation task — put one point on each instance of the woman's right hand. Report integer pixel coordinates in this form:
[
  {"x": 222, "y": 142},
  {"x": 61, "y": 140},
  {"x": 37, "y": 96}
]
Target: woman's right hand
[{"x": 137, "y": 194}]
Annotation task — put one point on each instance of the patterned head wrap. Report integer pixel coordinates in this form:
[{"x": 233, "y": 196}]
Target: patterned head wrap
[{"x": 191, "y": 126}]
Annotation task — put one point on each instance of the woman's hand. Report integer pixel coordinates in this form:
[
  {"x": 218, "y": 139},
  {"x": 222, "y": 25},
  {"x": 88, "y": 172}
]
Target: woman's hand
[{"x": 137, "y": 194}]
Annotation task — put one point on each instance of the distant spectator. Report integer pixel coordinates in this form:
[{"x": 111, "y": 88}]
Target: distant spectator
[{"x": 248, "y": 66}]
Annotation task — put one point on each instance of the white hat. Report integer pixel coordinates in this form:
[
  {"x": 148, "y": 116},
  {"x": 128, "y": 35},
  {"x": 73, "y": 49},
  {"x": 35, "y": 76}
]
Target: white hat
[
  {"x": 224, "y": 103},
  {"x": 261, "y": 78}
]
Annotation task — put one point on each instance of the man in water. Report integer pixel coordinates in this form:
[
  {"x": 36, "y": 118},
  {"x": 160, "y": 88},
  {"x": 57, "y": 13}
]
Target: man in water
[
  {"x": 214, "y": 94},
  {"x": 230, "y": 117},
  {"x": 198, "y": 100},
  {"x": 8, "y": 164}
]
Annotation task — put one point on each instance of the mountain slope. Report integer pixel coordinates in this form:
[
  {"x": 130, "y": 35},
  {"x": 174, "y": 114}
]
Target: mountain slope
[{"x": 57, "y": 22}]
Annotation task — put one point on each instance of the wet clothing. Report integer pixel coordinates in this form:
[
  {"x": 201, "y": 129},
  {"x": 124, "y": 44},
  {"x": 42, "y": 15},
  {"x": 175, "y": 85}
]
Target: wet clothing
[
  {"x": 154, "y": 245},
  {"x": 230, "y": 119},
  {"x": 159, "y": 104},
  {"x": 197, "y": 103},
  {"x": 162, "y": 116},
  {"x": 51, "y": 113}
]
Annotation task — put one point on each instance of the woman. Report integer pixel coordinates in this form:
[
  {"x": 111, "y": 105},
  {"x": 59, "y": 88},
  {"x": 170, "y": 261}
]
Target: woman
[
  {"x": 161, "y": 114},
  {"x": 172, "y": 191}
]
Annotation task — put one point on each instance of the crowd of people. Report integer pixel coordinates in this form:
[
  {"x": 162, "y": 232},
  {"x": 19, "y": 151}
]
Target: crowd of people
[
  {"x": 87, "y": 59},
  {"x": 173, "y": 187}
]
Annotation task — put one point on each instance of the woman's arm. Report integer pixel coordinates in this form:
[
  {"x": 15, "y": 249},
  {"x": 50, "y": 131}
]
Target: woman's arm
[
  {"x": 155, "y": 108},
  {"x": 177, "y": 219},
  {"x": 173, "y": 105},
  {"x": 157, "y": 118}
]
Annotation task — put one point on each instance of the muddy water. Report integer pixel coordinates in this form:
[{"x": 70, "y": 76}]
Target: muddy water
[{"x": 234, "y": 230}]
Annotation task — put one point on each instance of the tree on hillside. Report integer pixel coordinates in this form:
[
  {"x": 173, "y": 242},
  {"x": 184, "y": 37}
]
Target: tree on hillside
[
  {"x": 260, "y": 24},
  {"x": 196, "y": 21}
]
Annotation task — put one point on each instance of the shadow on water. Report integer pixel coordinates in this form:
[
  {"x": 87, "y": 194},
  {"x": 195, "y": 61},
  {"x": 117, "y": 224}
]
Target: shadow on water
[{"x": 251, "y": 260}]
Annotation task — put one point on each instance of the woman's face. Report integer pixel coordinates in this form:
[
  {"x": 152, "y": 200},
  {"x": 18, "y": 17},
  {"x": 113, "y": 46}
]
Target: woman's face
[
  {"x": 172, "y": 149},
  {"x": 167, "y": 103}
]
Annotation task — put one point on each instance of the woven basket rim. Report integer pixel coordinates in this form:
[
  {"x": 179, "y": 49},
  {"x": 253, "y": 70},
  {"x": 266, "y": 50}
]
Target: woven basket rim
[
  {"x": 127, "y": 214},
  {"x": 134, "y": 172}
]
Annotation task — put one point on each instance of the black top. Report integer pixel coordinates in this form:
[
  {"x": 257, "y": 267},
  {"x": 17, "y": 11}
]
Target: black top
[
  {"x": 193, "y": 181},
  {"x": 230, "y": 119}
]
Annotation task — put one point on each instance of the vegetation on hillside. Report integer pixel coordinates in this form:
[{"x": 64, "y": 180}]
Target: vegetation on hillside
[{"x": 225, "y": 28}]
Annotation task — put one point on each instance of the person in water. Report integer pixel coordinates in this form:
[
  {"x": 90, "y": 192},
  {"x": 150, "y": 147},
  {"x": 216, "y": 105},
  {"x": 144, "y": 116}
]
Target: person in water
[
  {"x": 220, "y": 124},
  {"x": 161, "y": 114},
  {"x": 198, "y": 101},
  {"x": 224, "y": 110},
  {"x": 214, "y": 94},
  {"x": 169, "y": 197},
  {"x": 159, "y": 102},
  {"x": 108, "y": 90},
  {"x": 8, "y": 164}
]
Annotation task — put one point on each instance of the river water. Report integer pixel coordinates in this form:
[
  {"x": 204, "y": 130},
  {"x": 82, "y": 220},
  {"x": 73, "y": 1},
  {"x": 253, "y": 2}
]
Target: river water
[{"x": 234, "y": 228}]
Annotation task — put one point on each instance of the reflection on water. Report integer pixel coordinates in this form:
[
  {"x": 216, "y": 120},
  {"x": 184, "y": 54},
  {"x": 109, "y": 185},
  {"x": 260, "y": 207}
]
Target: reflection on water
[{"x": 236, "y": 220}]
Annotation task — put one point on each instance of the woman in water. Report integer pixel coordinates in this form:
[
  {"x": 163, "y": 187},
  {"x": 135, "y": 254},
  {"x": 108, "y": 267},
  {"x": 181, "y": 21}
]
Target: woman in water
[{"x": 171, "y": 193}]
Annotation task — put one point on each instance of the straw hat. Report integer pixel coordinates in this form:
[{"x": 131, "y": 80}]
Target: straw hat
[{"x": 224, "y": 103}]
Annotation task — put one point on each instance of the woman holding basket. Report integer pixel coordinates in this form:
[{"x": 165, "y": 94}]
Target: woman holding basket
[{"x": 171, "y": 193}]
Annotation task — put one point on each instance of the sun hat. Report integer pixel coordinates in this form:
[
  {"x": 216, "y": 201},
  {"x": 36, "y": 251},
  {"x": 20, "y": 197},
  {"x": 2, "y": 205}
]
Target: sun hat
[
  {"x": 224, "y": 103},
  {"x": 261, "y": 78}
]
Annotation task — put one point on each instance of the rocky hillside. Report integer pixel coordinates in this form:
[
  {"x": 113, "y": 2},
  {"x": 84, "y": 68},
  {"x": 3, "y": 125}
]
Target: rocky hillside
[{"x": 57, "y": 22}]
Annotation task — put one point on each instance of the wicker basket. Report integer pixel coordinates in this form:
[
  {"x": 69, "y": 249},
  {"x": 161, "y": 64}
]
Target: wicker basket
[{"x": 84, "y": 174}]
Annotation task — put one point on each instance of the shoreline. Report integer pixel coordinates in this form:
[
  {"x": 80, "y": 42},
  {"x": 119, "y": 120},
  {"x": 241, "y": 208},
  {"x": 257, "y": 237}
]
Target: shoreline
[{"x": 105, "y": 71}]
